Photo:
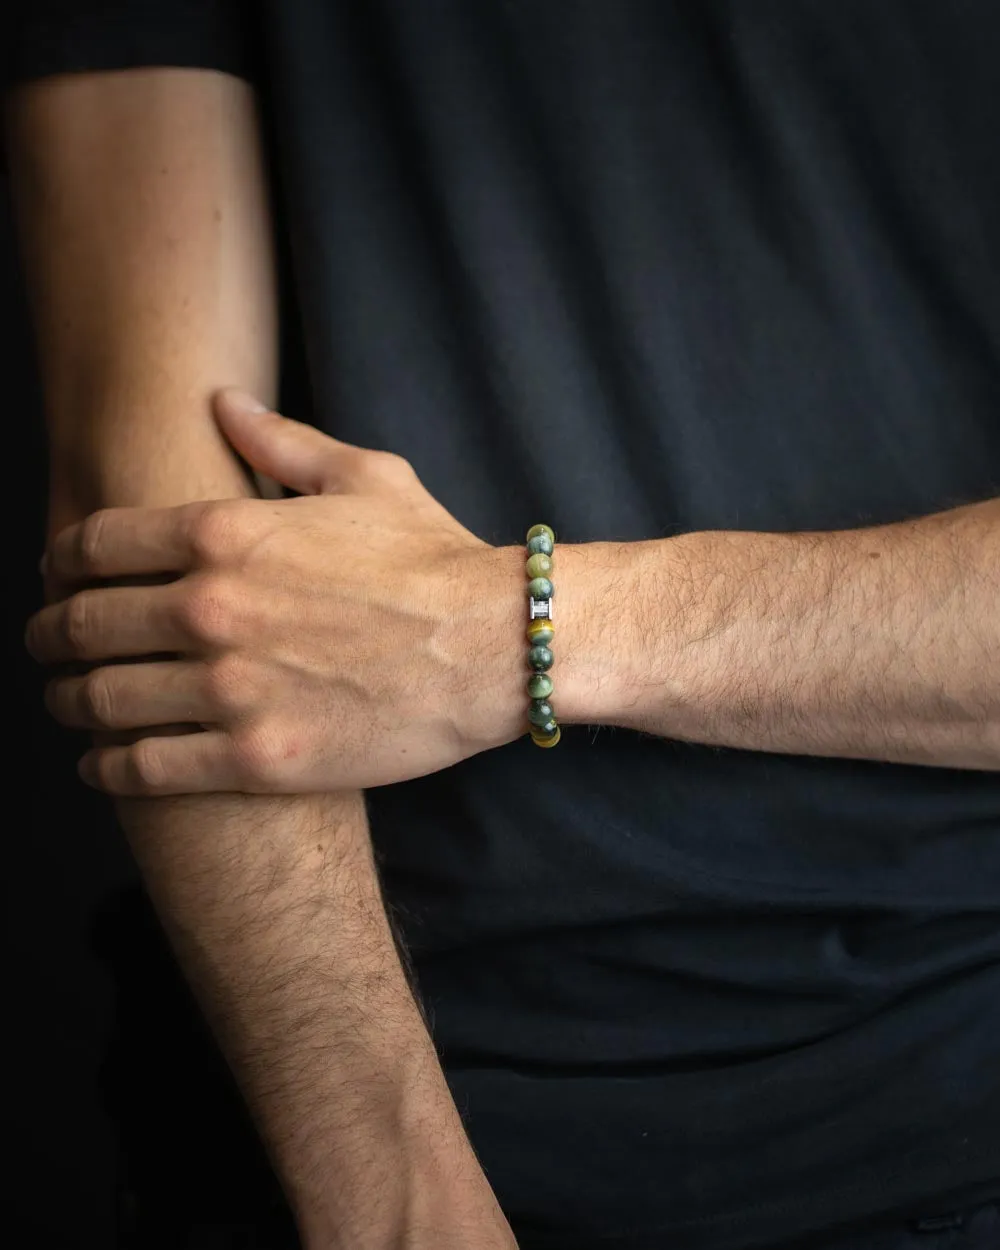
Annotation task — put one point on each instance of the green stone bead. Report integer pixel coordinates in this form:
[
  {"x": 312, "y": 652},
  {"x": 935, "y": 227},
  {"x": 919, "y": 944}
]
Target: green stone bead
[
  {"x": 540, "y": 588},
  {"x": 540, "y": 545},
  {"x": 540, "y": 712},
  {"x": 537, "y": 530},
  {"x": 541, "y": 632},
  {"x": 540, "y": 659},
  {"x": 547, "y": 730},
  {"x": 540, "y": 686},
  {"x": 538, "y": 566}
]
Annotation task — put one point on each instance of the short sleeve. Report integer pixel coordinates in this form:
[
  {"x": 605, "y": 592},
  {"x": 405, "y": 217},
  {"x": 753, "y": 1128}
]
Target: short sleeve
[{"x": 65, "y": 36}]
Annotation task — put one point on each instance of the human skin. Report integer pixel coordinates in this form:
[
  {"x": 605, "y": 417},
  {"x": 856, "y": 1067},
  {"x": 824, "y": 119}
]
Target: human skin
[
  {"x": 321, "y": 646},
  {"x": 143, "y": 219}
]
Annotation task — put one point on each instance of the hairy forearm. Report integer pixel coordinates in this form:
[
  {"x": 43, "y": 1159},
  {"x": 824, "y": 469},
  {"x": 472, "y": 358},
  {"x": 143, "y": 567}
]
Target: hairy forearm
[
  {"x": 878, "y": 643},
  {"x": 149, "y": 269},
  {"x": 273, "y": 907}
]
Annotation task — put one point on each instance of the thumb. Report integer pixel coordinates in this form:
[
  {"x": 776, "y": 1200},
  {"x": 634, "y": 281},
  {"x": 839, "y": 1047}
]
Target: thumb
[{"x": 296, "y": 455}]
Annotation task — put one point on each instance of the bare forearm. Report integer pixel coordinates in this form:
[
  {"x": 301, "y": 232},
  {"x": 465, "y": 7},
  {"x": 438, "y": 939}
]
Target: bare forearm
[
  {"x": 145, "y": 236},
  {"x": 875, "y": 643},
  {"x": 274, "y": 909},
  {"x": 147, "y": 251}
]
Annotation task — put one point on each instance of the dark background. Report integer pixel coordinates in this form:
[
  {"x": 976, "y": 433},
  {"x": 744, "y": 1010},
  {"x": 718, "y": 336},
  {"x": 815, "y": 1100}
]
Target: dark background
[
  {"x": 124, "y": 1126},
  {"x": 64, "y": 864}
]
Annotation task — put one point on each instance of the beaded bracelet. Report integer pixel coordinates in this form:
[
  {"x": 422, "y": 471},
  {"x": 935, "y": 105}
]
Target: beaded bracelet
[{"x": 544, "y": 727}]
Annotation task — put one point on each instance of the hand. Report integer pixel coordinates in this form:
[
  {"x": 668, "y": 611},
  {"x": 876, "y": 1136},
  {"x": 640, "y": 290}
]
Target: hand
[{"x": 355, "y": 636}]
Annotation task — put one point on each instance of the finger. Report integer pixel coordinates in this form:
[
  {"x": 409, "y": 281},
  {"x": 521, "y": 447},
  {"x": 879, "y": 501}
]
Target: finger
[
  {"x": 197, "y": 763},
  {"x": 133, "y": 696},
  {"x": 297, "y": 455},
  {"x": 122, "y": 542},
  {"x": 107, "y": 624}
]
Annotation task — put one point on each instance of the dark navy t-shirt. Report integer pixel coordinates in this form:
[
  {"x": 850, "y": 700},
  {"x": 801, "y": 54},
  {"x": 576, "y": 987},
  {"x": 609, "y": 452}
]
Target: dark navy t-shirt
[{"x": 641, "y": 267}]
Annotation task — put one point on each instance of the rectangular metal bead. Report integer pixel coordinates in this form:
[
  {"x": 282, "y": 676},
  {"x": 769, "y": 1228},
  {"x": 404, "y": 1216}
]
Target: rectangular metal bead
[{"x": 541, "y": 609}]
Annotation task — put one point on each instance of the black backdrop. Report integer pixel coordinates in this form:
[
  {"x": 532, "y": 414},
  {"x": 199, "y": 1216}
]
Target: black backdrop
[{"x": 63, "y": 863}]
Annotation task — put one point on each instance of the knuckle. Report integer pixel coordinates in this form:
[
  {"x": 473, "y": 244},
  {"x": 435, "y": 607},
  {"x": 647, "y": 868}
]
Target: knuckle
[
  {"x": 259, "y": 755},
  {"x": 392, "y": 467},
  {"x": 146, "y": 766},
  {"x": 227, "y": 683},
  {"x": 206, "y": 610},
  {"x": 216, "y": 531},
  {"x": 91, "y": 540},
  {"x": 76, "y": 623},
  {"x": 97, "y": 700}
]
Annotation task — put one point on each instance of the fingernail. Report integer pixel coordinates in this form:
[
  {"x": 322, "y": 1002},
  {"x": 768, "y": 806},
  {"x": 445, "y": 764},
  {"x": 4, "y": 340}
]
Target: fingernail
[
  {"x": 87, "y": 770},
  {"x": 245, "y": 401}
]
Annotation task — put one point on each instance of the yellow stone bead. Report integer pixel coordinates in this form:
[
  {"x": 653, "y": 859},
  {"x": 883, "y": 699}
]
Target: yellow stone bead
[
  {"x": 538, "y": 566},
  {"x": 541, "y": 529},
  {"x": 546, "y": 742},
  {"x": 540, "y": 632}
]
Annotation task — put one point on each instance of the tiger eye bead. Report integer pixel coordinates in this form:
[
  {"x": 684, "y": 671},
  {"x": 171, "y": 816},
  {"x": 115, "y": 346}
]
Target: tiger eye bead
[
  {"x": 540, "y": 588},
  {"x": 541, "y": 632},
  {"x": 540, "y": 686},
  {"x": 540, "y": 545},
  {"x": 546, "y": 740},
  {"x": 537, "y": 530},
  {"x": 538, "y": 566},
  {"x": 540, "y": 659}
]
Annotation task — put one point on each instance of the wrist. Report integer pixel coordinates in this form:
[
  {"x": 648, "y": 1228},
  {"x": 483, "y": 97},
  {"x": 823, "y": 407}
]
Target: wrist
[
  {"x": 488, "y": 702},
  {"x": 605, "y": 620},
  {"x": 407, "y": 1181},
  {"x": 427, "y": 1215}
]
